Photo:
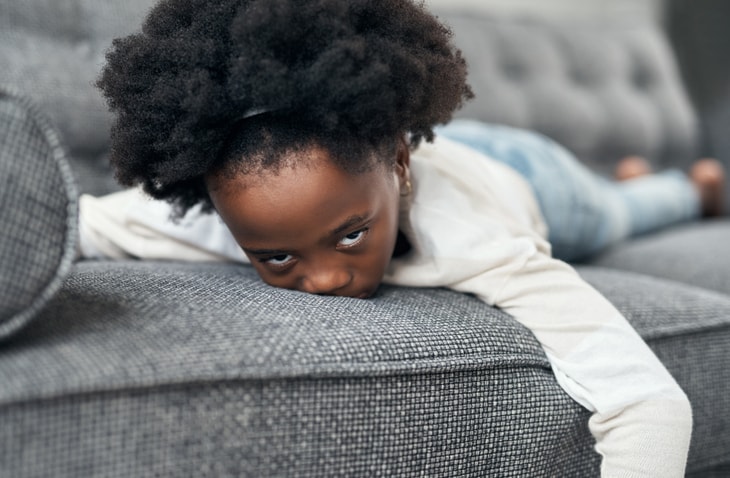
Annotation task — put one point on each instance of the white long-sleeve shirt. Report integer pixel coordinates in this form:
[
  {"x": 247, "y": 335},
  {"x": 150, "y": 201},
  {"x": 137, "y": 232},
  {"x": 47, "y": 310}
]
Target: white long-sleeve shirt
[{"x": 475, "y": 227}]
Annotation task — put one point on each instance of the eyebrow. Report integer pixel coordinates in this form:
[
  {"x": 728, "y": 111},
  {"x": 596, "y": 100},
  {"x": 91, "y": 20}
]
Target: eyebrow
[
  {"x": 265, "y": 252},
  {"x": 348, "y": 223}
]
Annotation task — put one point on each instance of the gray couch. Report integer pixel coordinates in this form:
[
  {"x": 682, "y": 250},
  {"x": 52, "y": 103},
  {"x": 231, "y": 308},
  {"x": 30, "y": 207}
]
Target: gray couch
[{"x": 131, "y": 369}]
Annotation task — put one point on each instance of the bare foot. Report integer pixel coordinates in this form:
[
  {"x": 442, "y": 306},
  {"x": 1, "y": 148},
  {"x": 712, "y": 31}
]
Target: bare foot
[
  {"x": 632, "y": 167},
  {"x": 708, "y": 176}
]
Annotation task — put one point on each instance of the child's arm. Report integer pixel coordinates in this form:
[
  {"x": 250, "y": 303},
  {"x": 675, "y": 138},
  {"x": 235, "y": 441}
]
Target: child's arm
[
  {"x": 128, "y": 224},
  {"x": 641, "y": 418}
]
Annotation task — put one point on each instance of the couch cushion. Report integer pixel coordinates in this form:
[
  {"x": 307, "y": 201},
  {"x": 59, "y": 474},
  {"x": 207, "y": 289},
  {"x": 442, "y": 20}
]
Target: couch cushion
[
  {"x": 53, "y": 51},
  {"x": 603, "y": 90},
  {"x": 38, "y": 213},
  {"x": 180, "y": 368},
  {"x": 221, "y": 321},
  {"x": 697, "y": 253},
  {"x": 186, "y": 367}
]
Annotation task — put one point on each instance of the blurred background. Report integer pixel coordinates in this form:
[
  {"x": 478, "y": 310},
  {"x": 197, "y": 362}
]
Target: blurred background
[
  {"x": 562, "y": 8},
  {"x": 698, "y": 29}
]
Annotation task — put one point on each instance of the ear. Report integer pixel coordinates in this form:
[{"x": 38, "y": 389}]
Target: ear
[{"x": 403, "y": 161}]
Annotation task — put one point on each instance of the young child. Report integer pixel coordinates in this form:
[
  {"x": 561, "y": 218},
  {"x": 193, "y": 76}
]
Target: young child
[{"x": 291, "y": 134}]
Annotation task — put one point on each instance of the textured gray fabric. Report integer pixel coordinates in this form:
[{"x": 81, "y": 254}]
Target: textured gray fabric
[
  {"x": 221, "y": 319},
  {"x": 694, "y": 253},
  {"x": 603, "y": 90},
  {"x": 181, "y": 369},
  {"x": 37, "y": 212},
  {"x": 52, "y": 51},
  {"x": 715, "y": 472},
  {"x": 176, "y": 369},
  {"x": 404, "y": 426}
]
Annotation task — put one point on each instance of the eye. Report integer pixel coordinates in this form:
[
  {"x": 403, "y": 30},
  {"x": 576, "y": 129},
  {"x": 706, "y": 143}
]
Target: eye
[
  {"x": 278, "y": 261},
  {"x": 354, "y": 238}
]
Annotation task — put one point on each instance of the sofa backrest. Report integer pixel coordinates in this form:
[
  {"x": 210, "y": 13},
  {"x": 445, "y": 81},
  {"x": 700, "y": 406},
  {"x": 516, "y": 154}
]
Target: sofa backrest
[
  {"x": 604, "y": 89},
  {"x": 53, "y": 50}
]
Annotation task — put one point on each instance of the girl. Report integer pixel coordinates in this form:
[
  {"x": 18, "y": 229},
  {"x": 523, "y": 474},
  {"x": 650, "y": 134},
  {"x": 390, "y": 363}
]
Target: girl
[{"x": 290, "y": 134}]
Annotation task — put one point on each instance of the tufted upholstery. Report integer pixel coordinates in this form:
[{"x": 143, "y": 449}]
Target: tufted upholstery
[
  {"x": 603, "y": 95},
  {"x": 55, "y": 58}
]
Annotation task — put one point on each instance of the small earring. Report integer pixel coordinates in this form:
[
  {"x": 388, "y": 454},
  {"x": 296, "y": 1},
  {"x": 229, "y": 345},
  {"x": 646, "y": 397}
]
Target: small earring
[{"x": 408, "y": 189}]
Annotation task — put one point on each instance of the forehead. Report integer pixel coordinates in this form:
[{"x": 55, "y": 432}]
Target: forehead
[{"x": 295, "y": 197}]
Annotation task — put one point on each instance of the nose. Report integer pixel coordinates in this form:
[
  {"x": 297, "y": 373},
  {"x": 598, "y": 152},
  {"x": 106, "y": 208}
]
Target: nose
[{"x": 325, "y": 280}]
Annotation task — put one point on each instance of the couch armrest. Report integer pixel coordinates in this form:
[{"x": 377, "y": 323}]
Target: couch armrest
[{"x": 38, "y": 214}]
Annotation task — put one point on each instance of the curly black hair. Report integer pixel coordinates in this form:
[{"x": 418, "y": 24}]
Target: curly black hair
[{"x": 205, "y": 80}]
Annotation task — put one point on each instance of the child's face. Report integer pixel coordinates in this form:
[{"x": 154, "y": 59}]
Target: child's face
[{"x": 313, "y": 227}]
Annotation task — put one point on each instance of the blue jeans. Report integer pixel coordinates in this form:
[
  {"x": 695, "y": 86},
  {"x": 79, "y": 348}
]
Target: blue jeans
[{"x": 584, "y": 212}]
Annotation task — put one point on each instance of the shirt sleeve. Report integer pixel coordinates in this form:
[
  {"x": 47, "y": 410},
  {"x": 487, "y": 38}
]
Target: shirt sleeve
[
  {"x": 129, "y": 224},
  {"x": 641, "y": 419}
]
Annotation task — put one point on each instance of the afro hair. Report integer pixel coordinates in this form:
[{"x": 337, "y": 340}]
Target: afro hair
[{"x": 357, "y": 71}]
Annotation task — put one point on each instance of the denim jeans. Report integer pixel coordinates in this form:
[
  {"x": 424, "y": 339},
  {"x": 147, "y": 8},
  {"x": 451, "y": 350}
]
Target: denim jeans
[{"x": 584, "y": 212}]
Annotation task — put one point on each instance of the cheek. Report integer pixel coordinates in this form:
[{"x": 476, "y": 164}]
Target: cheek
[
  {"x": 383, "y": 249},
  {"x": 394, "y": 222}
]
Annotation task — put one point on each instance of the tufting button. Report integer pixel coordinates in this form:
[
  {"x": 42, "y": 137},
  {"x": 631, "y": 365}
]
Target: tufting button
[{"x": 514, "y": 71}]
